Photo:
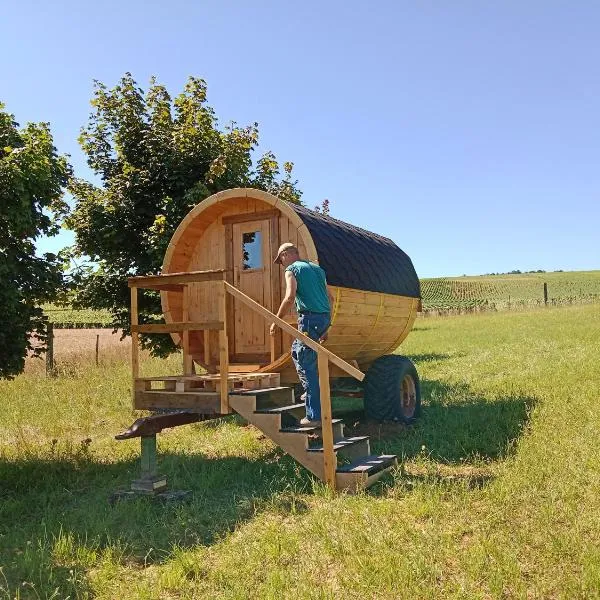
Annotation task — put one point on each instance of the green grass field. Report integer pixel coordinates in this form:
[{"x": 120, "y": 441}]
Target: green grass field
[{"x": 497, "y": 496}]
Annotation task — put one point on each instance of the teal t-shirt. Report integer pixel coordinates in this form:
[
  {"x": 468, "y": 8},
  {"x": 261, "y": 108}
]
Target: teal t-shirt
[{"x": 311, "y": 290}]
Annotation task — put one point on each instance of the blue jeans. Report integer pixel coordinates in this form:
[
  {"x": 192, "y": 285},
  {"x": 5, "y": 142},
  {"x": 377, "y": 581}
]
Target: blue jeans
[{"x": 305, "y": 359}]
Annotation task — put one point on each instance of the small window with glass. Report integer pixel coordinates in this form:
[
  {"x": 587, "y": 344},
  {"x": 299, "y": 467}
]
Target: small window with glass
[{"x": 252, "y": 250}]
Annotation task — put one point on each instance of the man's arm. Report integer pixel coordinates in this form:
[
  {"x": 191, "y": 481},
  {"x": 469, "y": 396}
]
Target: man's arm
[{"x": 288, "y": 299}]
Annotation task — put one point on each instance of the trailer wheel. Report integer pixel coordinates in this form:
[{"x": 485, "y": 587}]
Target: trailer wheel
[{"x": 392, "y": 390}]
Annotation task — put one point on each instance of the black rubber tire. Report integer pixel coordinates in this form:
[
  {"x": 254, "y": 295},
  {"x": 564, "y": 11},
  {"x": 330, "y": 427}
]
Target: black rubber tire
[{"x": 383, "y": 385}]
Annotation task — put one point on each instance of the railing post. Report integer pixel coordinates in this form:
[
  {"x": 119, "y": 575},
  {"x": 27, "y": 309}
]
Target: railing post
[
  {"x": 223, "y": 351},
  {"x": 329, "y": 458},
  {"x": 207, "y": 346},
  {"x": 135, "y": 358},
  {"x": 185, "y": 334}
]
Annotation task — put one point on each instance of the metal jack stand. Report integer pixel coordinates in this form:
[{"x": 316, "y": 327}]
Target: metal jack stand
[{"x": 150, "y": 483}]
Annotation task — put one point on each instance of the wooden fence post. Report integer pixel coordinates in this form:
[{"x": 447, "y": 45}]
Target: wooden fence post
[
  {"x": 97, "y": 348},
  {"x": 50, "y": 351},
  {"x": 545, "y": 293}
]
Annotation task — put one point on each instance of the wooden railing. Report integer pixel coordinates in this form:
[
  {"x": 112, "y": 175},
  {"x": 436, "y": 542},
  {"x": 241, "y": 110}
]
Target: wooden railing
[
  {"x": 179, "y": 282},
  {"x": 323, "y": 357}
]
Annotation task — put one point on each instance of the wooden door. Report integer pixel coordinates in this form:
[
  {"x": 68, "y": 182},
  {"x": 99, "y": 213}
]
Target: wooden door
[{"x": 252, "y": 262}]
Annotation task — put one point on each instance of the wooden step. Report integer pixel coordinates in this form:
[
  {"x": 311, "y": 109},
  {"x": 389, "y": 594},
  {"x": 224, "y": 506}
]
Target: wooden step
[
  {"x": 270, "y": 397},
  {"x": 289, "y": 415},
  {"x": 262, "y": 399},
  {"x": 280, "y": 409},
  {"x": 352, "y": 447},
  {"x": 308, "y": 428},
  {"x": 315, "y": 431},
  {"x": 369, "y": 464},
  {"x": 343, "y": 443},
  {"x": 260, "y": 391},
  {"x": 363, "y": 472}
]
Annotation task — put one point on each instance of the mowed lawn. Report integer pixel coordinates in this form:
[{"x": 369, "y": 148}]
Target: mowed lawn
[{"x": 497, "y": 494}]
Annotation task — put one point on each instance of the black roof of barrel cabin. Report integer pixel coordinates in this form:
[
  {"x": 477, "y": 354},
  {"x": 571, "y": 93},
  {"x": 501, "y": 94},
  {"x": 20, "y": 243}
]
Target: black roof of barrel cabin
[{"x": 356, "y": 258}]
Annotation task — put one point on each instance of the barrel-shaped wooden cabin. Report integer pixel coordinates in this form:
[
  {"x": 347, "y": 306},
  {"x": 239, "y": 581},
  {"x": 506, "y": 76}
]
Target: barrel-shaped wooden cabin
[{"x": 374, "y": 283}]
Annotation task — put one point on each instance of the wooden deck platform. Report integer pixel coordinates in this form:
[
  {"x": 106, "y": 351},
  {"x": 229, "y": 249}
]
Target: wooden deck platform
[{"x": 199, "y": 393}]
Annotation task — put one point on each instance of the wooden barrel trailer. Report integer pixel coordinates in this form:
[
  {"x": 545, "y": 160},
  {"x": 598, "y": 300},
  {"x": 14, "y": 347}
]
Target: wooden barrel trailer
[{"x": 219, "y": 289}]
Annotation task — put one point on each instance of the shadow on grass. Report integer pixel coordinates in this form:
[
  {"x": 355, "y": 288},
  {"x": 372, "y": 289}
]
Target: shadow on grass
[
  {"x": 455, "y": 426},
  {"x": 54, "y": 511},
  {"x": 431, "y": 356}
]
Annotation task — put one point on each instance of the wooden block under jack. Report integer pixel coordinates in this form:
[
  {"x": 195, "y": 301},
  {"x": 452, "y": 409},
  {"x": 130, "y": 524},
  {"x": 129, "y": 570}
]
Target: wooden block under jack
[
  {"x": 165, "y": 497},
  {"x": 149, "y": 485}
]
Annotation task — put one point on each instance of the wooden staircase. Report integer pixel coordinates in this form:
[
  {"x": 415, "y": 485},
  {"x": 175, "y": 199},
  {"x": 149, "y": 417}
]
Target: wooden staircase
[
  {"x": 274, "y": 412},
  {"x": 343, "y": 463}
]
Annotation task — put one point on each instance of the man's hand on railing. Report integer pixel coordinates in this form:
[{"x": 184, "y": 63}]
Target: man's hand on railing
[
  {"x": 272, "y": 329},
  {"x": 324, "y": 337}
]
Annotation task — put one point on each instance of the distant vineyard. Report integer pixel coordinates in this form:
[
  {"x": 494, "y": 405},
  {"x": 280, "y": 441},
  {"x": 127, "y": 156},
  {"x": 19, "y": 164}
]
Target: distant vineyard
[
  {"x": 69, "y": 318},
  {"x": 494, "y": 292},
  {"x": 509, "y": 291}
]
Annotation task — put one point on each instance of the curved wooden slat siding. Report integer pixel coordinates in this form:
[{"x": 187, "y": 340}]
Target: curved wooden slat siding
[
  {"x": 365, "y": 324},
  {"x": 204, "y": 219}
]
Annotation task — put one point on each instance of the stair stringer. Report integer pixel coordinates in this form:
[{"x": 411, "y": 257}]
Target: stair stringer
[{"x": 294, "y": 444}]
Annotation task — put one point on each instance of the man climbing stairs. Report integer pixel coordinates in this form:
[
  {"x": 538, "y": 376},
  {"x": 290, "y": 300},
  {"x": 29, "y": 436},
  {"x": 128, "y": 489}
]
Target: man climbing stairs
[{"x": 343, "y": 463}]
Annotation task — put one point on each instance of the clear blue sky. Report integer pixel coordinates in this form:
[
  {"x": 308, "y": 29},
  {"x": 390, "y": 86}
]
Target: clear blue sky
[{"x": 466, "y": 131}]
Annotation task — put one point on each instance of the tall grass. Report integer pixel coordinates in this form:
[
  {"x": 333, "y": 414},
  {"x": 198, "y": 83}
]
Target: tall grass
[{"x": 497, "y": 494}]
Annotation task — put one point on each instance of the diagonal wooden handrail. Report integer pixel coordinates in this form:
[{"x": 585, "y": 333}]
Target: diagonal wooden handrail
[
  {"x": 323, "y": 358},
  {"x": 269, "y": 316}
]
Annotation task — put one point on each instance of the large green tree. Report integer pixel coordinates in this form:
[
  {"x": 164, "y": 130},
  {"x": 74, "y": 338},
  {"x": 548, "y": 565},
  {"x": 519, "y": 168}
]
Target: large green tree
[
  {"x": 155, "y": 157},
  {"x": 32, "y": 179}
]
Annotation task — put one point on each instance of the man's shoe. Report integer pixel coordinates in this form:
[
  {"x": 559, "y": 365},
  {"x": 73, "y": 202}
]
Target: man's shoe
[{"x": 306, "y": 422}]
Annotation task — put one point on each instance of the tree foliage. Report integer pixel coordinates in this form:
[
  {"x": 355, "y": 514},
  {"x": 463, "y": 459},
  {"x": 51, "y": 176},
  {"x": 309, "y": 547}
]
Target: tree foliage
[
  {"x": 32, "y": 179},
  {"x": 156, "y": 158},
  {"x": 324, "y": 208}
]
